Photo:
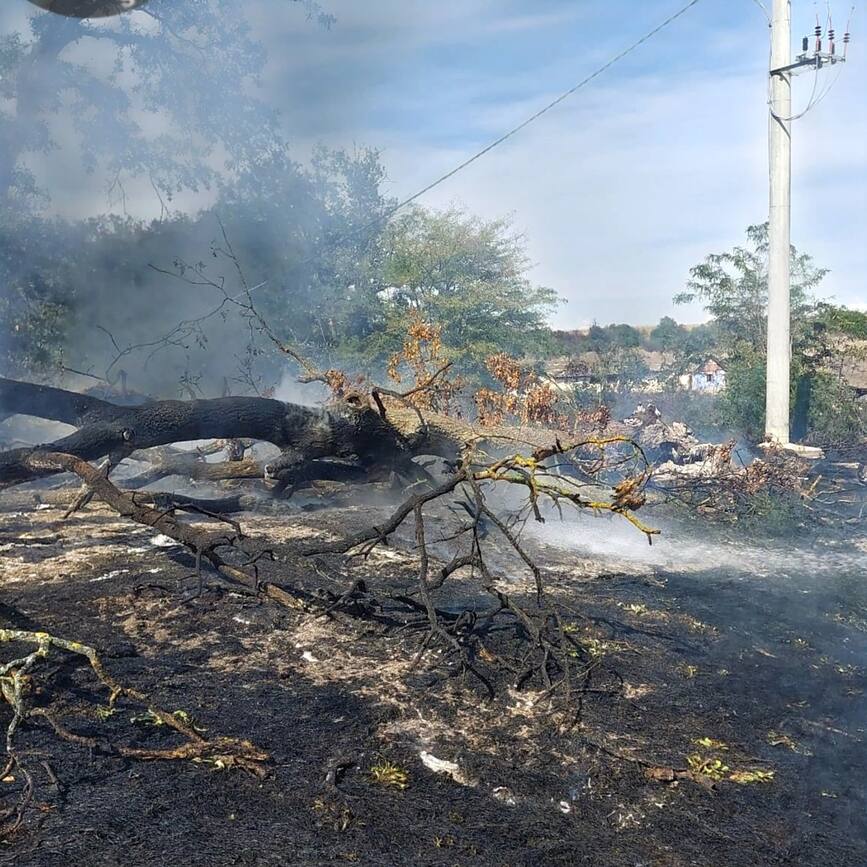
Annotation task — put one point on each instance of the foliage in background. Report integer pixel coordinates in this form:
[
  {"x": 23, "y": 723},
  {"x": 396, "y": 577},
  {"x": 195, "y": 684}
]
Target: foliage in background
[
  {"x": 36, "y": 260},
  {"x": 469, "y": 276},
  {"x": 734, "y": 289},
  {"x": 327, "y": 270},
  {"x": 733, "y": 286},
  {"x": 139, "y": 93}
]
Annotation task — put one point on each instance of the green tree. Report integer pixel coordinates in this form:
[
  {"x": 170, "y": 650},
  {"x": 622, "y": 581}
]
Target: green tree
[
  {"x": 668, "y": 335},
  {"x": 160, "y": 94},
  {"x": 467, "y": 274},
  {"x": 624, "y": 336},
  {"x": 598, "y": 338},
  {"x": 37, "y": 257},
  {"x": 312, "y": 237},
  {"x": 733, "y": 286},
  {"x": 734, "y": 289},
  {"x": 166, "y": 95},
  {"x": 303, "y": 236},
  {"x": 618, "y": 370}
]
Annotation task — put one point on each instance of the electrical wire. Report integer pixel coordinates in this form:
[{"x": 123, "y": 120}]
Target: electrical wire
[
  {"x": 815, "y": 99},
  {"x": 553, "y": 104},
  {"x": 388, "y": 214},
  {"x": 764, "y": 10},
  {"x": 827, "y": 90},
  {"x": 810, "y": 102}
]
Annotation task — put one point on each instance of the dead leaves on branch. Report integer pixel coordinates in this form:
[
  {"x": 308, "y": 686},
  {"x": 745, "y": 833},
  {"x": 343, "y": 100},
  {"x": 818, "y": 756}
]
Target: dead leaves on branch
[
  {"x": 423, "y": 363},
  {"x": 524, "y": 397}
]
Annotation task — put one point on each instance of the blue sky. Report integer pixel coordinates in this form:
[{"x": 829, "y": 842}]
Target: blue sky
[
  {"x": 632, "y": 181},
  {"x": 620, "y": 190}
]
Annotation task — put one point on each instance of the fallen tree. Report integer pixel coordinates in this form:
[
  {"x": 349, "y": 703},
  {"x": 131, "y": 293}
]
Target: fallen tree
[
  {"x": 106, "y": 430},
  {"x": 357, "y": 437},
  {"x": 384, "y": 431},
  {"x": 382, "y": 428}
]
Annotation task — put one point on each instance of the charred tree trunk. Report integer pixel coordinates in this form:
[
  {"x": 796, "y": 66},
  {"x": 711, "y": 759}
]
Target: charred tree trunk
[
  {"x": 54, "y": 404},
  {"x": 388, "y": 432},
  {"x": 302, "y": 433}
]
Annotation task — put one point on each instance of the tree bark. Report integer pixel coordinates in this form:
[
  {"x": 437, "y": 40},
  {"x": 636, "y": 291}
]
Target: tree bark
[
  {"x": 390, "y": 434},
  {"x": 303, "y": 433},
  {"x": 54, "y": 404},
  {"x": 203, "y": 543}
]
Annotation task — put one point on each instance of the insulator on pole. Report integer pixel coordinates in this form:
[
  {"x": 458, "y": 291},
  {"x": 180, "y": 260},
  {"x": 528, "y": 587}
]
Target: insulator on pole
[{"x": 805, "y": 45}]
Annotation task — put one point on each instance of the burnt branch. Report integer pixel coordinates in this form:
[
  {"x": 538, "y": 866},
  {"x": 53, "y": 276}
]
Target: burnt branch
[
  {"x": 16, "y": 680},
  {"x": 203, "y": 543},
  {"x": 544, "y": 650},
  {"x": 109, "y": 430}
]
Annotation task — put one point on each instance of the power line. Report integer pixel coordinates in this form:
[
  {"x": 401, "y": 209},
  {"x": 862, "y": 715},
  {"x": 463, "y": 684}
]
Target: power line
[
  {"x": 818, "y": 62},
  {"x": 563, "y": 96},
  {"x": 388, "y": 214},
  {"x": 812, "y": 101},
  {"x": 764, "y": 9}
]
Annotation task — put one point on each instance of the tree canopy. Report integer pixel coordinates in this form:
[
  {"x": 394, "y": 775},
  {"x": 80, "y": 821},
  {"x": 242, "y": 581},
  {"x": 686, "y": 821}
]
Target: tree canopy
[
  {"x": 733, "y": 286},
  {"x": 165, "y": 94},
  {"x": 467, "y": 274}
]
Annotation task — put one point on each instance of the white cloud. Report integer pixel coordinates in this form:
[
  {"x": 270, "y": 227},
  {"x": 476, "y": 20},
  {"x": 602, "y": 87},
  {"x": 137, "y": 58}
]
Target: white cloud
[{"x": 621, "y": 189}]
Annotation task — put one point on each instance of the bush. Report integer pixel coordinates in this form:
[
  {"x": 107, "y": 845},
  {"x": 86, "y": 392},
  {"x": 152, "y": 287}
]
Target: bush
[
  {"x": 835, "y": 414},
  {"x": 741, "y": 406},
  {"x": 773, "y": 514}
]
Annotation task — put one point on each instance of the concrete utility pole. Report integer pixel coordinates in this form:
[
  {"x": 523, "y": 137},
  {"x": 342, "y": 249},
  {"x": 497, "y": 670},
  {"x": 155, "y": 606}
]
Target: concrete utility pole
[
  {"x": 779, "y": 226},
  {"x": 780, "y": 215}
]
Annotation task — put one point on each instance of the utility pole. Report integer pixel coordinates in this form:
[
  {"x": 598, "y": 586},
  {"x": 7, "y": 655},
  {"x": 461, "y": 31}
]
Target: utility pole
[
  {"x": 779, "y": 227},
  {"x": 779, "y": 359}
]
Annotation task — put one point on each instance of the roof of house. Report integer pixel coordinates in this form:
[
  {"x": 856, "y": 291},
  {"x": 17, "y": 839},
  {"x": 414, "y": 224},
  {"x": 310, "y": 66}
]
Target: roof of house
[
  {"x": 711, "y": 366},
  {"x": 565, "y": 367}
]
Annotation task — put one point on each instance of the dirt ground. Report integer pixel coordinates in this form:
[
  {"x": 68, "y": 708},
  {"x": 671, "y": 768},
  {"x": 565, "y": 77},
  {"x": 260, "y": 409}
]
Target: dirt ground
[{"x": 776, "y": 683}]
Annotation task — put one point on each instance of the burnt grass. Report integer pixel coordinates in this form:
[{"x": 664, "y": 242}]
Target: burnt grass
[{"x": 680, "y": 657}]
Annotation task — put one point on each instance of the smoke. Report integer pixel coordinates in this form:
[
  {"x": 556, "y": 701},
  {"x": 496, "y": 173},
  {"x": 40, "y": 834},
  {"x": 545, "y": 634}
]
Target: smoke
[
  {"x": 167, "y": 132},
  {"x": 800, "y": 562},
  {"x": 289, "y": 390}
]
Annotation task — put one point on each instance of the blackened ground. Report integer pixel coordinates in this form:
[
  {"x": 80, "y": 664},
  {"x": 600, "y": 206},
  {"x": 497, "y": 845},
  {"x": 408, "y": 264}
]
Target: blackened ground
[{"x": 775, "y": 676}]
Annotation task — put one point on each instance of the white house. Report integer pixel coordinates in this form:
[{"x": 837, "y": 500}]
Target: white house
[{"x": 707, "y": 378}]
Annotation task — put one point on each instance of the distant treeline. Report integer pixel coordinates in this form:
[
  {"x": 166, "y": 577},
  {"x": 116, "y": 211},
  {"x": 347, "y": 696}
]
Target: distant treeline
[{"x": 667, "y": 336}]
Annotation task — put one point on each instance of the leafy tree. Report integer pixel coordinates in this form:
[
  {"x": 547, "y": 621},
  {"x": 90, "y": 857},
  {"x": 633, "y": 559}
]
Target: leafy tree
[
  {"x": 158, "y": 93},
  {"x": 165, "y": 94},
  {"x": 467, "y": 274},
  {"x": 734, "y": 289},
  {"x": 668, "y": 335},
  {"x": 618, "y": 370},
  {"x": 36, "y": 297},
  {"x": 300, "y": 237},
  {"x": 624, "y": 336},
  {"x": 311, "y": 237},
  {"x": 598, "y": 338},
  {"x": 311, "y": 243},
  {"x": 699, "y": 341}
]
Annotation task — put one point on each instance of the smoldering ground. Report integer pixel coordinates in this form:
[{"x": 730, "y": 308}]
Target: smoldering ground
[
  {"x": 745, "y": 655},
  {"x": 707, "y": 657}
]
